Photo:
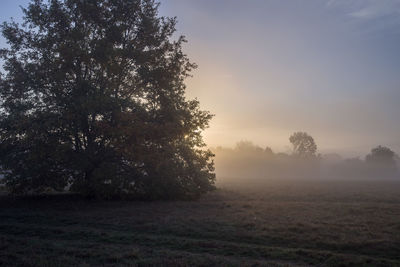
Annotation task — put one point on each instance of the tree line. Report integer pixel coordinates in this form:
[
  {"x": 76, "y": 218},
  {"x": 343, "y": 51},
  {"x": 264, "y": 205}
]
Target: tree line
[{"x": 247, "y": 160}]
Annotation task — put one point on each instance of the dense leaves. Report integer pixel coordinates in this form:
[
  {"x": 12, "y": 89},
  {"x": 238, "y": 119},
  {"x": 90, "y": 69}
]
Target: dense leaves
[
  {"x": 381, "y": 155},
  {"x": 303, "y": 144},
  {"x": 93, "y": 100},
  {"x": 382, "y": 161}
]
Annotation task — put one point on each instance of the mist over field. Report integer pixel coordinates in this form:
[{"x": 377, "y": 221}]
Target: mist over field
[
  {"x": 248, "y": 162},
  {"x": 199, "y": 133}
]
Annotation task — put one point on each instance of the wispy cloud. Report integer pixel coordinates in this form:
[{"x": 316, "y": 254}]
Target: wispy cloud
[
  {"x": 367, "y": 9},
  {"x": 376, "y": 17},
  {"x": 377, "y": 9}
]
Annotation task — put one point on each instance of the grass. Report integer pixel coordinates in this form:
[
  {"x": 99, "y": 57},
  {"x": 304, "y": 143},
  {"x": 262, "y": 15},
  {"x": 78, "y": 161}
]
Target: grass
[{"x": 285, "y": 223}]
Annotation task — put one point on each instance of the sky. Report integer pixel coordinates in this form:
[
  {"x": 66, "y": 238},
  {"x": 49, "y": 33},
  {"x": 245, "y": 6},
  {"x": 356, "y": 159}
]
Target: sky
[{"x": 268, "y": 68}]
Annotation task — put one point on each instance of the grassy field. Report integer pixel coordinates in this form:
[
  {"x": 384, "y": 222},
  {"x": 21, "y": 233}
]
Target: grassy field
[{"x": 286, "y": 223}]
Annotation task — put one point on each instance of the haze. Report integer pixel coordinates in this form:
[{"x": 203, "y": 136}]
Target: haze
[
  {"x": 269, "y": 68},
  {"x": 102, "y": 160}
]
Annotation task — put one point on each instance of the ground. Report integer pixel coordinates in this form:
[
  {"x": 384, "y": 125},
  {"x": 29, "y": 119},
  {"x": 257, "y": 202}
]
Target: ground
[{"x": 284, "y": 223}]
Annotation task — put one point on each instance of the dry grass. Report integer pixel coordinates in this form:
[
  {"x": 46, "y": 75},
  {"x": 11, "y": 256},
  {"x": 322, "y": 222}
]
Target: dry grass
[{"x": 285, "y": 223}]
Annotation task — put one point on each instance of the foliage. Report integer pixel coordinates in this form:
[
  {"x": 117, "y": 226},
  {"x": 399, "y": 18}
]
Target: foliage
[
  {"x": 303, "y": 144},
  {"x": 381, "y": 161},
  {"x": 93, "y": 99},
  {"x": 247, "y": 146},
  {"x": 381, "y": 155}
]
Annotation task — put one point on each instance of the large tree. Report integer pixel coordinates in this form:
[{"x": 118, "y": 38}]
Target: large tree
[{"x": 93, "y": 99}]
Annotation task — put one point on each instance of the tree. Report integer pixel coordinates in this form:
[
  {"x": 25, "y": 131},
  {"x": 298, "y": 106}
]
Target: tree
[
  {"x": 248, "y": 146},
  {"x": 383, "y": 158},
  {"x": 93, "y": 98},
  {"x": 303, "y": 144}
]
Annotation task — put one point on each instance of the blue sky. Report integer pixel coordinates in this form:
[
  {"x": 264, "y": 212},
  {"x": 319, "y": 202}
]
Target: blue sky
[{"x": 268, "y": 68}]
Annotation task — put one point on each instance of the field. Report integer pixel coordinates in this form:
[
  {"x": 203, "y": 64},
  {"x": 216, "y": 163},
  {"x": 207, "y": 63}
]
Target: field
[{"x": 284, "y": 223}]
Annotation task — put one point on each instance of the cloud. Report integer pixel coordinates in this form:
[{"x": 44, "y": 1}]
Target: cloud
[
  {"x": 377, "y": 9},
  {"x": 366, "y": 9},
  {"x": 376, "y": 18}
]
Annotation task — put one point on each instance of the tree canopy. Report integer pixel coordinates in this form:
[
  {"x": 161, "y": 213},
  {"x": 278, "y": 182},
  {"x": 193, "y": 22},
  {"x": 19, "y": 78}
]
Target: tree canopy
[
  {"x": 303, "y": 144},
  {"x": 93, "y": 99},
  {"x": 381, "y": 155}
]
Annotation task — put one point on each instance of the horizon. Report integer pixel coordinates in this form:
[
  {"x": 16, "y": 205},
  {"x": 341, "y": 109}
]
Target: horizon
[
  {"x": 289, "y": 150},
  {"x": 110, "y": 154}
]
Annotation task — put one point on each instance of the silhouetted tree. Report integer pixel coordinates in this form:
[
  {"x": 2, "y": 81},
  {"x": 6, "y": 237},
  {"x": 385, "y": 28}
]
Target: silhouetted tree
[
  {"x": 381, "y": 155},
  {"x": 303, "y": 144},
  {"x": 382, "y": 159},
  {"x": 92, "y": 96}
]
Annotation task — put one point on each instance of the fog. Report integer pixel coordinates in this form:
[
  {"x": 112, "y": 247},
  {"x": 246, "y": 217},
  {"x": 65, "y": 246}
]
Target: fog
[
  {"x": 331, "y": 67},
  {"x": 249, "y": 162}
]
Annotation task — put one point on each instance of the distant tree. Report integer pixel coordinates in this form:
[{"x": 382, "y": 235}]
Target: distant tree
[
  {"x": 247, "y": 146},
  {"x": 381, "y": 156},
  {"x": 303, "y": 144},
  {"x": 268, "y": 150},
  {"x": 93, "y": 97}
]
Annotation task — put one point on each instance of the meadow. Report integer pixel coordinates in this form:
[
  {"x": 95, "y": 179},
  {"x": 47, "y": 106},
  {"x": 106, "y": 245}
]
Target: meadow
[{"x": 242, "y": 223}]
